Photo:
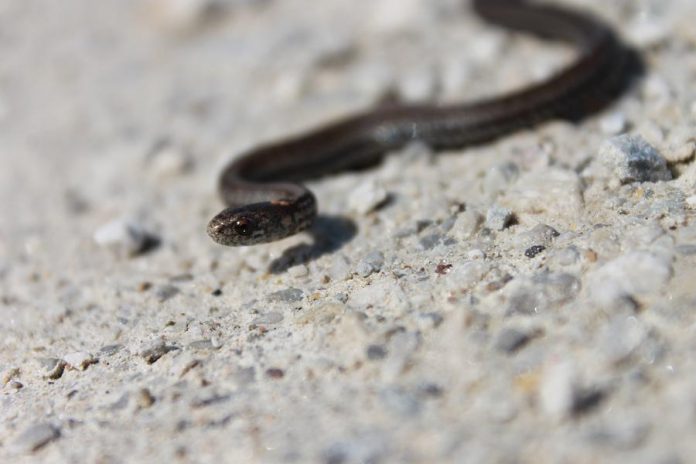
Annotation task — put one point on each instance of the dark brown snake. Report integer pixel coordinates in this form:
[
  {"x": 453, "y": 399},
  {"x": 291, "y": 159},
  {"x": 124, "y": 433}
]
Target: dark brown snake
[{"x": 265, "y": 203}]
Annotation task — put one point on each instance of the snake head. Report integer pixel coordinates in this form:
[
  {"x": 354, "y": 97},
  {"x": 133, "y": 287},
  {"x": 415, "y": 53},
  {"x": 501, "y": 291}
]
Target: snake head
[{"x": 238, "y": 227}]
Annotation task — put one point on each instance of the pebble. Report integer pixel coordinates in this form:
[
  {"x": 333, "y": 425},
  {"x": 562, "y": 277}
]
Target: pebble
[
  {"x": 367, "y": 197},
  {"x": 512, "y": 339},
  {"x": 466, "y": 225},
  {"x": 534, "y": 250},
  {"x": 557, "y": 389},
  {"x": 34, "y": 438},
  {"x": 79, "y": 360},
  {"x": 168, "y": 161},
  {"x": 681, "y": 144},
  {"x": 181, "y": 15},
  {"x": 547, "y": 195},
  {"x": 110, "y": 350},
  {"x": 144, "y": 399},
  {"x": 539, "y": 235},
  {"x": 166, "y": 292},
  {"x": 621, "y": 337},
  {"x": 629, "y": 158},
  {"x": 613, "y": 124},
  {"x": 124, "y": 237},
  {"x": 631, "y": 275},
  {"x": 648, "y": 32},
  {"x": 370, "y": 264},
  {"x": 340, "y": 268},
  {"x": 151, "y": 355},
  {"x": 656, "y": 88},
  {"x": 298, "y": 271},
  {"x": 390, "y": 16},
  {"x": 691, "y": 202},
  {"x": 289, "y": 295},
  {"x": 499, "y": 178},
  {"x": 10, "y": 374},
  {"x": 269, "y": 318},
  {"x": 498, "y": 218},
  {"x": 53, "y": 367}
]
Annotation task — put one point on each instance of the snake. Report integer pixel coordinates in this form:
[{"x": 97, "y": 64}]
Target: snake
[{"x": 263, "y": 191}]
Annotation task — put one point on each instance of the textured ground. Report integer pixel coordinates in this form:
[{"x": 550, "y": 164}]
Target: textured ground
[{"x": 525, "y": 301}]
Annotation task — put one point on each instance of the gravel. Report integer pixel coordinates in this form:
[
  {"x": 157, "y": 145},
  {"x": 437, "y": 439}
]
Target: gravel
[{"x": 521, "y": 300}]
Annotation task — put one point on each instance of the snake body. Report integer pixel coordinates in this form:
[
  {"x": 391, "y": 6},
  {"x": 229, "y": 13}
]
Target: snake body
[{"x": 266, "y": 202}]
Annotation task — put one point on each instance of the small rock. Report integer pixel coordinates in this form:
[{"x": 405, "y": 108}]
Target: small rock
[
  {"x": 168, "y": 161},
  {"x": 125, "y": 238},
  {"x": 370, "y": 264},
  {"x": 201, "y": 345},
  {"x": 430, "y": 241},
  {"x": 557, "y": 390},
  {"x": 275, "y": 373},
  {"x": 628, "y": 276},
  {"x": 390, "y": 16},
  {"x": 613, "y": 124},
  {"x": 180, "y": 16},
  {"x": 289, "y": 295},
  {"x": 269, "y": 318},
  {"x": 110, "y": 350},
  {"x": 34, "y": 438},
  {"x": 340, "y": 268},
  {"x": 466, "y": 225},
  {"x": 151, "y": 355},
  {"x": 367, "y": 197},
  {"x": 691, "y": 202},
  {"x": 16, "y": 384},
  {"x": 629, "y": 158},
  {"x": 511, "y": 339},
  {"x": 53, "y": 367},
  {"x": 298, "y": 271},
  {"x": 79, "y": 360},
  {"x": 165, "y": 292},
  {"x": 534, "y": 250},
  {"x": 144, "y": 398},
  {"x": 9, "y": 374},
  {"x": 498, "y": 178},
  {"x": 656, "y": 88},
  {"x": 648, "y": 32},
  {"x": 400, "y": 402},
  {"x": 376, "y": 352},
  {"x": 498, "y": 218},
  {"x": 681, "y": 144}
]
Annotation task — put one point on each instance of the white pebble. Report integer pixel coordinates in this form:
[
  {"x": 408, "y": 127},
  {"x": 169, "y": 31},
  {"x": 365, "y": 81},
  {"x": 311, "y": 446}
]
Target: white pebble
[
  {"x": 366, "y": 198},
  {"x": 389, "y": 16},
  {"x": 79, "y": 360},
  {"x": 633, "y": 274},
  {"x": 180, "y": 15},
  {"x": 475, "y": 254},
  {"x": 557, "y": 390},
  {"x": 498, "y": 218},
  {"x": 298, "y": 271},
  {"x": 691, "y": 202},
  {"x": 125, "y": 237},
  {"x": 613, "y": 124},
  {"x": 169, "y": 161}
]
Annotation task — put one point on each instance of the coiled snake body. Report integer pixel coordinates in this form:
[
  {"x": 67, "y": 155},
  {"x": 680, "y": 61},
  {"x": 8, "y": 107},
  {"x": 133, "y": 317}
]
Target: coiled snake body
[{"x": 265, "y": 202}]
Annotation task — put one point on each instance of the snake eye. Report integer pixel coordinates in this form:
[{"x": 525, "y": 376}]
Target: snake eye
[{"x": 243, "y": 227}]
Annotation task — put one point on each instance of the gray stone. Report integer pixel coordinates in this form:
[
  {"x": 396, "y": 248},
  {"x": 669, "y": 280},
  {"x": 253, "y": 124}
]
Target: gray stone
[
  {"x": 34, "y": 438},
  {"x": 370, "y": 264},
  {"x": 511, "y": 339},
  {"x": 289, "y": 295},
  {"x": 629, "y": 158},
  {"x": 498, "y": 218}
]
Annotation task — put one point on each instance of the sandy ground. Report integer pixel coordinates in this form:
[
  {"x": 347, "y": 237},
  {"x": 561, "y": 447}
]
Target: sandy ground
[{"x": 530, "y": 300}]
